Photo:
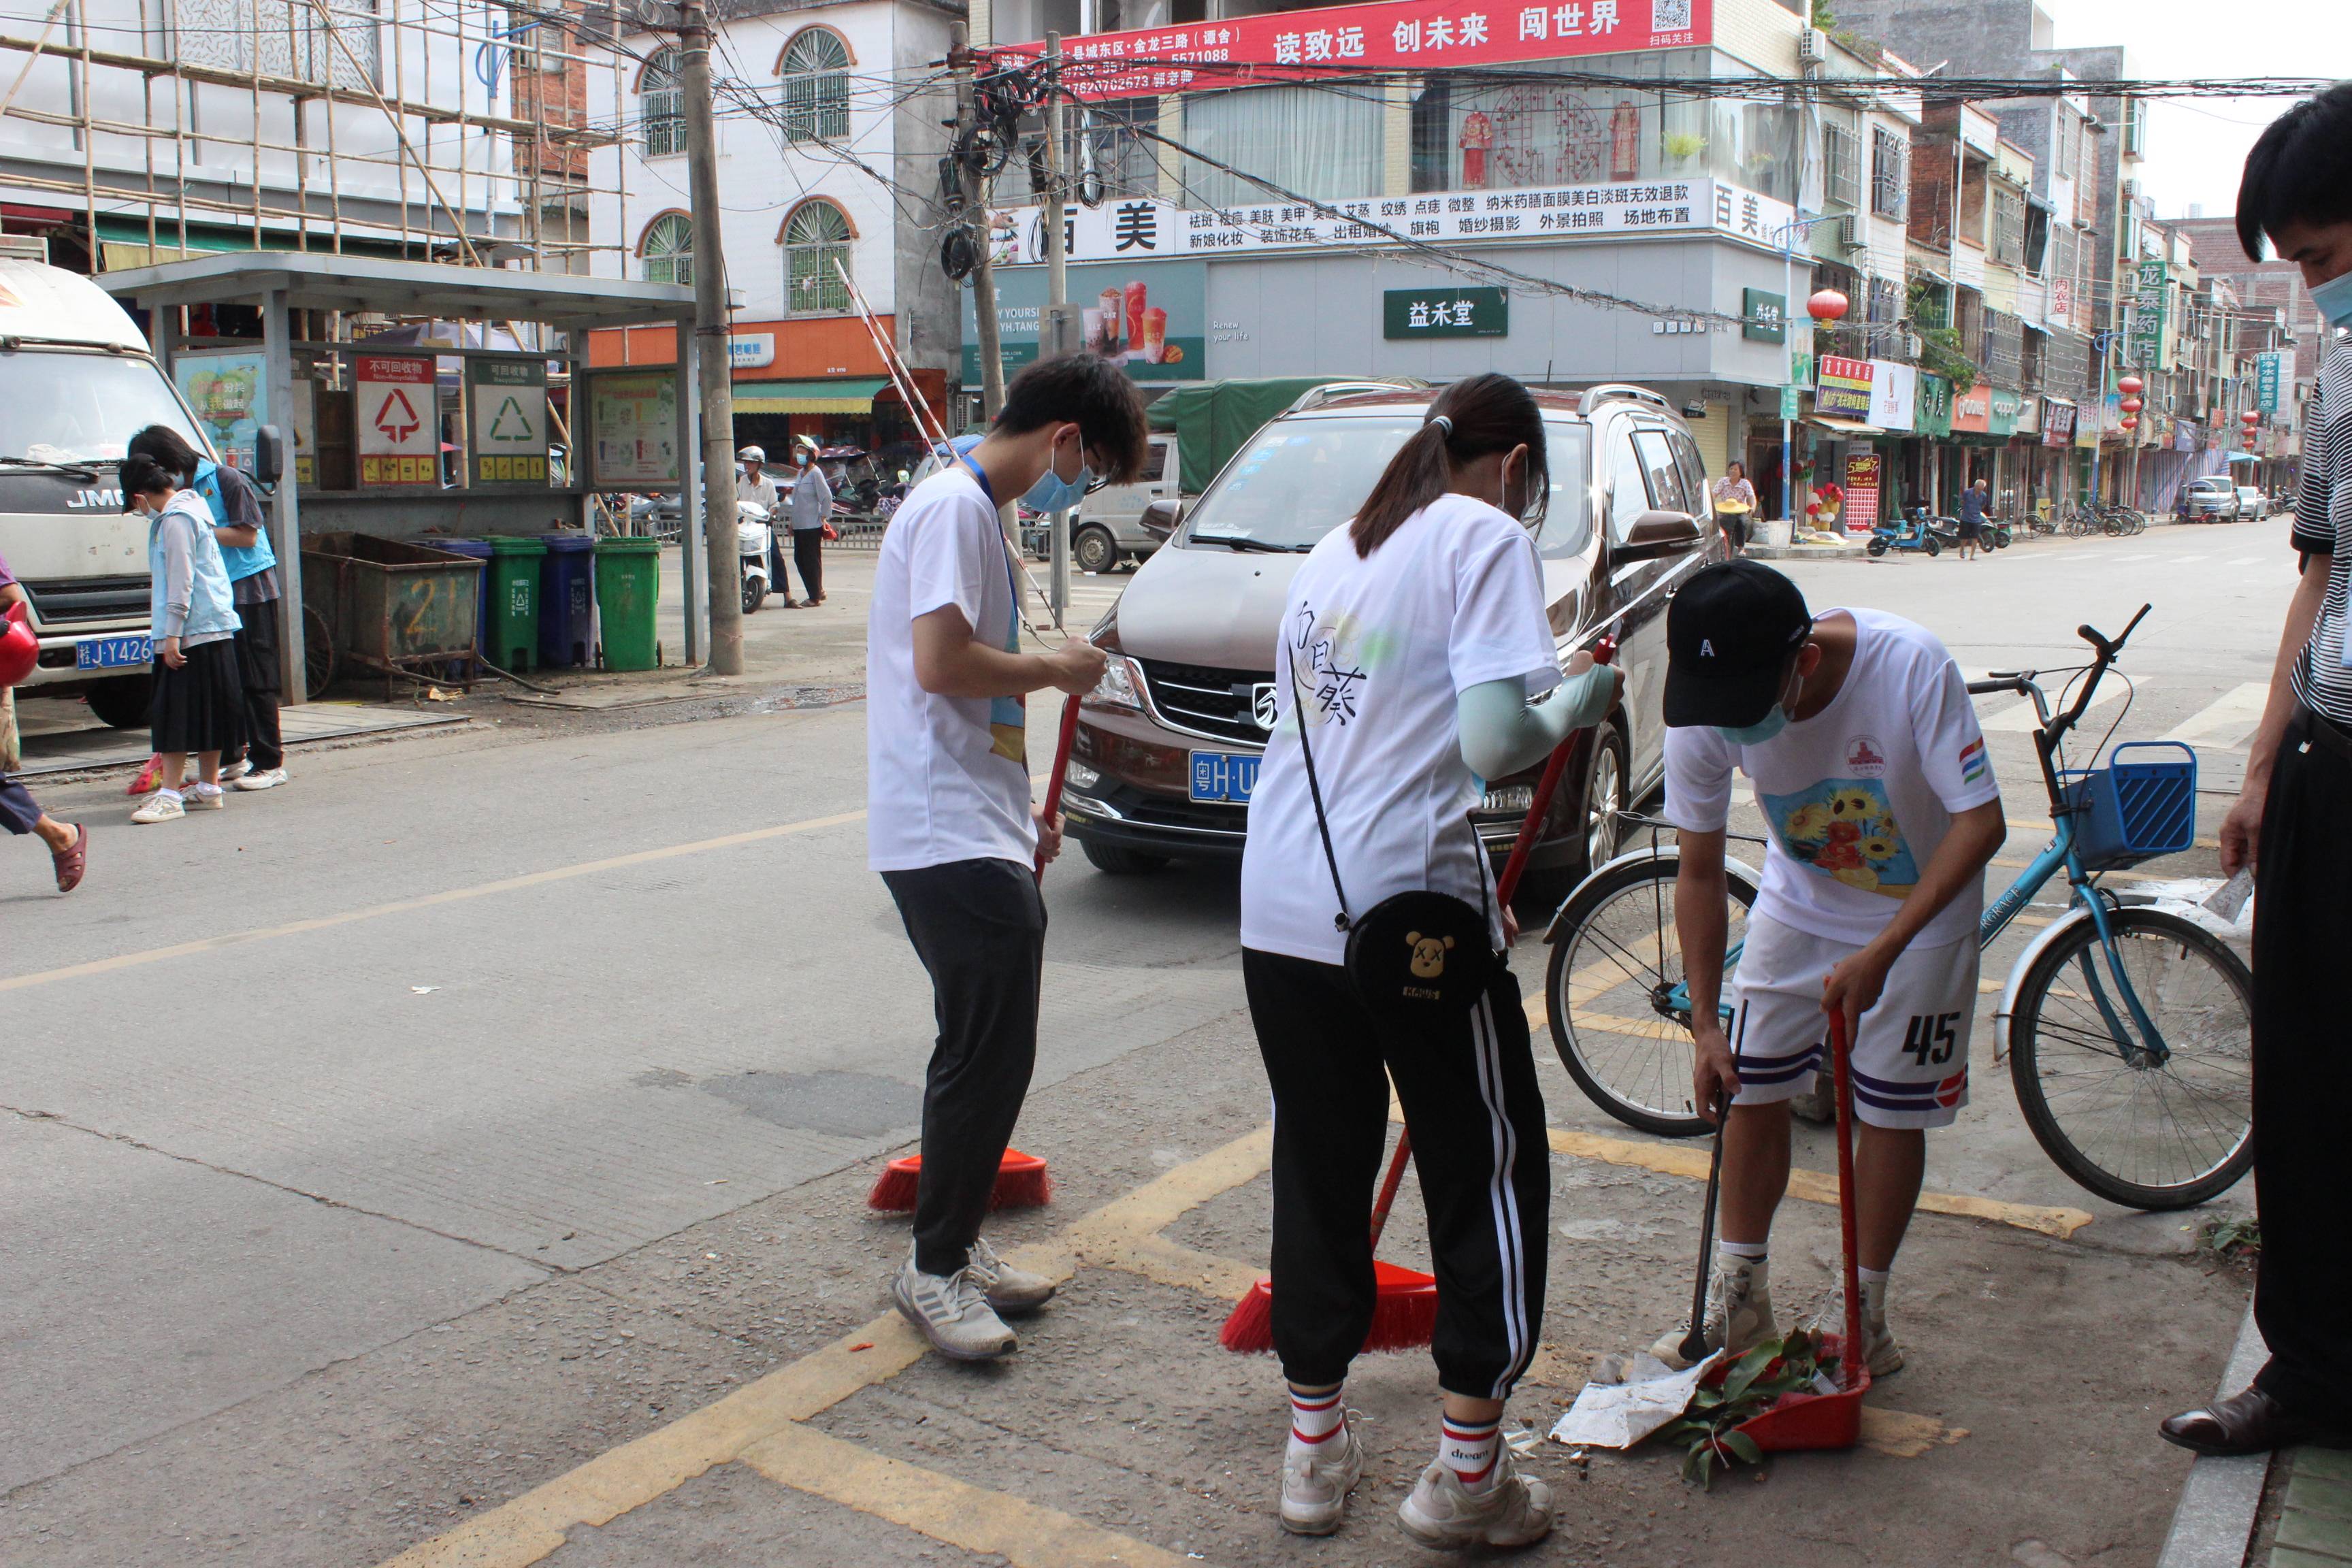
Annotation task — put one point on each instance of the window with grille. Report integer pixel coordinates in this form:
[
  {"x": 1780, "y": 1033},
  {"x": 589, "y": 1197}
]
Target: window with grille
[
  {"x": 2007, "y": 226},
  {"x": 661, "y": 106},
  {"x": 1884, "y": 307},
  {"x": 2070, "y": 143},
  {"x": 1842, "y": 165},
  {"x": 815, "y": 236},
  {"x": 815, "y": 69},
  {"x": 2004, "y": 348},
  {"x": 1890, "y": 173},
  {"x": 668, "y": 249}
]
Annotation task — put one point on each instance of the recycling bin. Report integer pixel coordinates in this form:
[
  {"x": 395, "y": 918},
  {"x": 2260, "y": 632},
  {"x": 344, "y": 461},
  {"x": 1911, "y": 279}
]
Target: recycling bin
[
  {"x": 566, "y": 601},
  {"x": 628, "y": 584},
  {"x": 510, "y": 603}
]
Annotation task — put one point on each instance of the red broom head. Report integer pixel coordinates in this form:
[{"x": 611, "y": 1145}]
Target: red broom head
[
  {"x": 894, "y": 1189},
  {"x": 147, "y": 776},
  {"x": 1404, "y": 1315},
  {"x": 1249, "y": 1328},
  {"x": 1021, "y": 1183}
]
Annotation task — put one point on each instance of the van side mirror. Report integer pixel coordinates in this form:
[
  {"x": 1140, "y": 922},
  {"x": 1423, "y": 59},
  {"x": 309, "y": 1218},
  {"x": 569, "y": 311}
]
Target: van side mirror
[
  {"x": 1658, "y": 534},
  {"x": 268, "y": 454},
  {"x": 1160, "y": 519}
]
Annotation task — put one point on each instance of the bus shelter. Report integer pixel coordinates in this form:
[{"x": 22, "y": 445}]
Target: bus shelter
[{"x": 426, "y": 398}]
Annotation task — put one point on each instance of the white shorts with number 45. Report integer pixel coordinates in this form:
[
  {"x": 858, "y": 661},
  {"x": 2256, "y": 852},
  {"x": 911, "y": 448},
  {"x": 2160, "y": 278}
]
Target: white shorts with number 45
[{"x": 1911, "y": 1064}]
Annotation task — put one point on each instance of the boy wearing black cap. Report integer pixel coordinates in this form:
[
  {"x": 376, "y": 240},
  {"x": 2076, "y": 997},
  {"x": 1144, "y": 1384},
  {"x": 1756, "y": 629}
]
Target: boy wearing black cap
[{"x": 1855, "y": 730}]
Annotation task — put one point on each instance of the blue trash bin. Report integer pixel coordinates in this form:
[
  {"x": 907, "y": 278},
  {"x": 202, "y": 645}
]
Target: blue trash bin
[
  {"x": 475, "y": 550},
  {"x": 567, "y": 601}
]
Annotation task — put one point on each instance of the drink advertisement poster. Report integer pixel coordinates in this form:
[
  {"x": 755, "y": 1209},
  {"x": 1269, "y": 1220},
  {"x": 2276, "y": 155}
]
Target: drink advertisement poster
[
  {"x": 1150, "y": 320},
  {"x": 1861, "y": 513}
]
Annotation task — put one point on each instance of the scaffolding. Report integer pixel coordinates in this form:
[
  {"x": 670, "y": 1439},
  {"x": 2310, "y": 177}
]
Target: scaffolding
[{"x": 448, "y": 129}]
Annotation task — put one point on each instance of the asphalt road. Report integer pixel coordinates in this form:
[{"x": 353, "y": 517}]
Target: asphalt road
[{"x": 380, "y": 1149}]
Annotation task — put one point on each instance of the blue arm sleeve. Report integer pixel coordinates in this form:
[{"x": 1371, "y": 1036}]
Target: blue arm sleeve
[{"x": 1503, "y": 732}]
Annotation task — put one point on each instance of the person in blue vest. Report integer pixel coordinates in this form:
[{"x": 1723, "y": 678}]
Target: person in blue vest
[
  {"x": 252, "y": 568},
  {"x": 198, "y": 710}
]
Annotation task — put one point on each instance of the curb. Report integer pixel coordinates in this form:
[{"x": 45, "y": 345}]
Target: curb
[
  {"x": 1806, "y": 553},
  {"x": 2215, "y": 1517}
]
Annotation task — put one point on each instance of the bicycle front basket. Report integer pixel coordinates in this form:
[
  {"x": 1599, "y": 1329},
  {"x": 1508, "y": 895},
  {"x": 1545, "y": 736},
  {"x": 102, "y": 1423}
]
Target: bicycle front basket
[{"x": 2143, "y": 803}]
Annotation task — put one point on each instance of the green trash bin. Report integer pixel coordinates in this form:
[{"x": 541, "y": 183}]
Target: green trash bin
[
  {"x": 628, "y": 583},
  {"x": 511, "y": 616}
]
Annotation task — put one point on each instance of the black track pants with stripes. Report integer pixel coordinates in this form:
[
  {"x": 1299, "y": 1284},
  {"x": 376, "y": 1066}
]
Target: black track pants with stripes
[{"x": 1469, "y": 1094}]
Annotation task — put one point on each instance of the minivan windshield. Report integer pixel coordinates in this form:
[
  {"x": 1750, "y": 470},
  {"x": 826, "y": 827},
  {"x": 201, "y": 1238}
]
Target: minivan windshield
[
  {"x": 75, "y": 406},
  {"x": 1300, "y": 479}
]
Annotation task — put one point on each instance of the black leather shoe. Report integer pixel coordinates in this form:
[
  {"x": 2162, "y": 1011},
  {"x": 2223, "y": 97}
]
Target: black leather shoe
[{"x": 2250, "y": 1422}]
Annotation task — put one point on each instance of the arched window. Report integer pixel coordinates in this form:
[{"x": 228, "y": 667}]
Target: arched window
[
  {"x": 668, "y": 249},
  {"x": 815, "y": 235},
  {"x": 815, "y": 68},
  {"x": 661, "y": 106}
]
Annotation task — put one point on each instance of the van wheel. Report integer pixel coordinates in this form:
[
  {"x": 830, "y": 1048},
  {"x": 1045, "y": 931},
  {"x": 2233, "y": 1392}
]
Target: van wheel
[
  {"x": 1116, "y": 861},
  {"x": 1094, "y": 550},
  {"x": 124, "y": 701}
]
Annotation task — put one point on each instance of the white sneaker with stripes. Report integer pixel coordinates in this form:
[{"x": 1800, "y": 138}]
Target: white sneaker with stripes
[{"x": 952, "y": 1311}]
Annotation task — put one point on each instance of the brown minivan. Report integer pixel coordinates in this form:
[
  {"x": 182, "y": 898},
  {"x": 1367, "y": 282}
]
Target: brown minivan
[{"x": 1168, "y": 745}]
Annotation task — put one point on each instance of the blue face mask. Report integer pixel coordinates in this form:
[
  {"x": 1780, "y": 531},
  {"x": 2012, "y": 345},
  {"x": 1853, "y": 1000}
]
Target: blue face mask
[
  {"x": 1054, "y": 494},
  {"x": 2334, "y": 299},
  {"x": 1759, "y": 732}
]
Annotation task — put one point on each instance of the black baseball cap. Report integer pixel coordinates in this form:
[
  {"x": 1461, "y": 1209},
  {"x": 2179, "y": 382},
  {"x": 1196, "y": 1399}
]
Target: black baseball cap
[{"x": 1730, "y": 633}]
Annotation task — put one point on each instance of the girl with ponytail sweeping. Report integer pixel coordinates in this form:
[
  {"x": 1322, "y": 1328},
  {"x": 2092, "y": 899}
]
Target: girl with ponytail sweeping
[{"x": 1415, "y": 661}]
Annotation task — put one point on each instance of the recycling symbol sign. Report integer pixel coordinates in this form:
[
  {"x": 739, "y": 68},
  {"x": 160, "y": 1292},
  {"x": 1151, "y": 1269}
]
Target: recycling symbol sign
[
  {"x": 511, "y": 423},
  {"x": 508, "y": 419}
]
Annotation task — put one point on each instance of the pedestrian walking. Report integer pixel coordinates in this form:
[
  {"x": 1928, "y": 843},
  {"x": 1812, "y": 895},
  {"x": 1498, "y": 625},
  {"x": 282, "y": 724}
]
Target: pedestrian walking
[
  {"x": 198, "y": 707},
  {"x": 1856, "y": 728},
  {"x": 2293, "y": 824},
  {"x": 1413, "y": 642},
  {"x": 1972, "y": 518},
  {"x": 950, "y": 825},
  {"x": 68, "y": 842},
  {"x": 808, "y": 506},
  {"x": 252, "y": 565},
  {"x": 754, "y": 484},
  {"x": 1734, "y": 504}
]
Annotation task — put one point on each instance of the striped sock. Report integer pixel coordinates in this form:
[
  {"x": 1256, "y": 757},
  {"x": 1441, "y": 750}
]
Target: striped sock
[
  {"x": 1315, "y": 1417},
  {"x": 1468, "y": 1449}
]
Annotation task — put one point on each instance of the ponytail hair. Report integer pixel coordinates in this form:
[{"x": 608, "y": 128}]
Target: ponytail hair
[{"x": 1469, "y": 419}]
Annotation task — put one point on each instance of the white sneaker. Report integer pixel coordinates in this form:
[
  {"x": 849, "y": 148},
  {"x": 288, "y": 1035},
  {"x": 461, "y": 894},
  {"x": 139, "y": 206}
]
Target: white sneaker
[
  {"x": 952, "y": 1312},
  {"x": 1880, "y": 1353},
  {"x": 163, "y": 805},
  {"x": 1316, "y": 1481},
  {"x": 1738, "y": 1310},
  {"x": 205, "y": 797},
  {"x": 232, "y": 772},
  {"x": 268, "y": 778},
  {"x": 1516, "y": 1510},
  {"x": 1008, "y": 1289}
]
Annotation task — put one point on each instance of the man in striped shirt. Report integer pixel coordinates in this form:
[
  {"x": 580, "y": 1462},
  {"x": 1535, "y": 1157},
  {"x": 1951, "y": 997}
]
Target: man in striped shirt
[{"x": 2294, "y": 824}]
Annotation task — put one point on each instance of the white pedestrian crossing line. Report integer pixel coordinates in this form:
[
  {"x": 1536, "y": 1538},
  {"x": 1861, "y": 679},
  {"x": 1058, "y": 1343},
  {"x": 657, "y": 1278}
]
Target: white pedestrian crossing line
[
  {"x": 2225, "y": 722},
  {"x": 2250, "y": 560}
]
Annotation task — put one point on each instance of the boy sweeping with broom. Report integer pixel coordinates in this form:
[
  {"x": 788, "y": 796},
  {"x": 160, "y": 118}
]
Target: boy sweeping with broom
[{"x": 1856, "y": 731}]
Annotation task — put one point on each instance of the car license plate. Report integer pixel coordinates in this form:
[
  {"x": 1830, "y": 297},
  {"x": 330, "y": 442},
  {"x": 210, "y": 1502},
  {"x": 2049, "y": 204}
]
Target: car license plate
[
  {"x": 114, "y": 653},
  {"x": 1224, "y": 776}
]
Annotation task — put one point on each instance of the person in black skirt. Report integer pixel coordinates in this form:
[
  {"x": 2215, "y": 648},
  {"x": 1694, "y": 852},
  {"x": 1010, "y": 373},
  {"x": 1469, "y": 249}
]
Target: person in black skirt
[{"x": 199, "y": 702}]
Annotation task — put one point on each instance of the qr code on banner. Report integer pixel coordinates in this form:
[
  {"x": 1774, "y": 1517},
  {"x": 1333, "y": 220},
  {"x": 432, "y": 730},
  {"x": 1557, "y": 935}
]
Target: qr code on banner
[{"x": 1670, "y": 15}]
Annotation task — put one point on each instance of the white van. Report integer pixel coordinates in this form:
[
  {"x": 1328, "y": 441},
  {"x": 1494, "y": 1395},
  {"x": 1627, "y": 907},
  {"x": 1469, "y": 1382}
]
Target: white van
[
  {"x": 1108, "y": 527},
  {"x": 76, "y": 382}
]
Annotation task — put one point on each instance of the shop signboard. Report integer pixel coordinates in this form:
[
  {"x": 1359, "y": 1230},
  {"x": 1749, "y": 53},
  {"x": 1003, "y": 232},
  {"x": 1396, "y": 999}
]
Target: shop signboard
[
  {"x": 1763, "y": 316},
  {"x": 507, "y": 421},
  {"x": 632, "y": 427},
  {"x": 1894, "y": 394},
  {"x": 1861, "y": 513},
  {"x": 2057, "y": 422},
  {"x": 1793, "y": 406},
  {"x": 1146, "y": 230},
  {"x": 1972, "y": 410},
  {"x": 1151, "y": 320},
  {"x": 1842, "y": 390},
  {"x": 230, "y": 393},
  {"x": 2270, "y": 371},
  {"x": 2145, "y": 330},
  {"x": 750, "y": 351},
  {"x": 2001, "y": 411},
  {"x": 2184, "y": 435},
  {"x": 1348, "y": 40},
  {"x": 1413, "y": 313},
  {"x": 1934, "y": 417},
  {"x": 399, "y": 420}
]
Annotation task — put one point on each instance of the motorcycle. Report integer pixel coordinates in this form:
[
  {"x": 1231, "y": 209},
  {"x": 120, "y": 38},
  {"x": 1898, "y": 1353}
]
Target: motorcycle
[
  {"x": 753, "y": 536},
  {"x": 1911, "y": 532}
]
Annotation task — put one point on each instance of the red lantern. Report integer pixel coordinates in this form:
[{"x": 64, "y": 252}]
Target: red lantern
[
  {"x": 2131, "y": 384},
  {"x": 2133, "y": 405},
  {"x": 2251, "y": 418},
  {"x": 1827, "y": 305},
  {"x": 2131, "y": 421}
]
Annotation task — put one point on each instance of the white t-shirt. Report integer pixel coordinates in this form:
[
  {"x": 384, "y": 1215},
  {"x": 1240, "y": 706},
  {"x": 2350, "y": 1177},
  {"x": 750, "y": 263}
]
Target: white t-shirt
[
  {"x": 761, "y": 492},
  {"x": 1858, "y": 797},
  {"x": 947, "y": 778},
  {"x": 1374, "y": 654}
]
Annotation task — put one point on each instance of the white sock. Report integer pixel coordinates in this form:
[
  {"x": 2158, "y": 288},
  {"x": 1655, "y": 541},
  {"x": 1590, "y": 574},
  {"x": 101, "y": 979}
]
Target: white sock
[
  {"x": 1315, "y": 1418},
  {"x": 1873, "y": 1276},
  {"x": 168, "y": 794},
  {"x": 1753, "y": 1251},
  {"x": 1468, "y": 1448}
]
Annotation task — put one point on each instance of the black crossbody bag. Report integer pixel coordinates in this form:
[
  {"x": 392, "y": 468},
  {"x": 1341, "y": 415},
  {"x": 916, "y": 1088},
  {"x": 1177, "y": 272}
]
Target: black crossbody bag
[{"x": 1421, "y": 953}]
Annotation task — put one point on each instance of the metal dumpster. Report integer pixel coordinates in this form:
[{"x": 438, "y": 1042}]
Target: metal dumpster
[{"x": 398, "y": 608}]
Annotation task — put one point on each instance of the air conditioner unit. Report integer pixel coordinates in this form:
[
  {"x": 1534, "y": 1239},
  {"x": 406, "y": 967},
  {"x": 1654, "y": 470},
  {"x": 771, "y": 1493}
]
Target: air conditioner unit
[
  {"x": 1848, "y": 231},
  {"x": 1811, "y": 49},
  {"x": 1912, "y": 345}
]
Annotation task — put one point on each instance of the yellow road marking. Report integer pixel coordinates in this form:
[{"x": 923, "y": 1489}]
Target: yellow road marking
[
  {"x": 425, "y": 901},
  {"x": 943, "y": 1508}
]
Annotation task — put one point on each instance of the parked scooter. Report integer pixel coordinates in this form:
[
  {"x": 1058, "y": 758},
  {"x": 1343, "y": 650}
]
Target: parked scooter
[
  {"x": 1910, "y": 533},
  {"x": 753, "y": 535}
]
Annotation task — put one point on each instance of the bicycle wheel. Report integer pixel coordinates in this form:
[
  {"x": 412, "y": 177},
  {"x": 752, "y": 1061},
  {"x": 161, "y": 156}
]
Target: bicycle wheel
[
  {"x": 1608, "y": 993},
  {"x": 2145, "y": 1134}
]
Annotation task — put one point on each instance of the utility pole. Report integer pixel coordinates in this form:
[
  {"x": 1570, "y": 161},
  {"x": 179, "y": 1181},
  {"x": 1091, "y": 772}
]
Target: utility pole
[
  {"x": 1061, "y": 322},
  {"x": 975, "y": 196},
  {"x": 712, "y": 360}
]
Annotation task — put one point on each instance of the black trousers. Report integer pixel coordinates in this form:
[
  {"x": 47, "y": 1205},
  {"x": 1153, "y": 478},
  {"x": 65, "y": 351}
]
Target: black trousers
[
  {"x": 1478, "y": 1148},
  {"x": 257, "y": 667},
  {"x": 2303, "y": 1073},
  {"x": 978, "y": 926},
  {"x": 808, "y": 554},
  {"x": 18, "y": 811}
]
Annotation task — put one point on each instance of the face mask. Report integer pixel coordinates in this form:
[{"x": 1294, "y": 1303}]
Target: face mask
[
  {"x": 801, "y": 459},
  {"x": 2334, "y": 299},
  {"x": 1759, "y": 732},
  {"x": 1052, "y": 492}
]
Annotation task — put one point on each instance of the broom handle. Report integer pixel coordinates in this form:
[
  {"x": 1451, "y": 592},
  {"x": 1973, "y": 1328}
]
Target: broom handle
[
  {"x": 1852, "y": 1359},
  {"x": 1388, "y": 1185},
  {"x": 1061, "y": 765},
  {"x": 1539, "y": 809}
]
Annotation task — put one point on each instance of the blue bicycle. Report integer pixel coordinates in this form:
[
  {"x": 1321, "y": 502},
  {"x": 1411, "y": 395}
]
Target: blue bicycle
[{"x": 2128, "y": 1027}]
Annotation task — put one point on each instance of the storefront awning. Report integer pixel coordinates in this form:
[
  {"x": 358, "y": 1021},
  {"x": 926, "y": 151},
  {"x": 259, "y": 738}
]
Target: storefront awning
[
  {"x": 832, "y": 394},
  {"x": 1854, "y": 428}
]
